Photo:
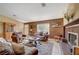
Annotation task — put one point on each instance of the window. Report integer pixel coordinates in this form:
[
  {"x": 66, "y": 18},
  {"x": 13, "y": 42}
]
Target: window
[{"x": 43, "y": 27}]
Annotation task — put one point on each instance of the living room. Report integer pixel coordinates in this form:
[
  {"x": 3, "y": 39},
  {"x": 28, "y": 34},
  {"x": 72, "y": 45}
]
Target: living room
[{"x": 38, "y": 28}]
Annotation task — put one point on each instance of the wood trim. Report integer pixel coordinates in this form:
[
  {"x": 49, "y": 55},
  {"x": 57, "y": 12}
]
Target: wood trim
[
  {"x": 73, "y": 22},
  {"x": 72, "y": 26},
  {"x": 64, "y": 30},
  {"x": 4, "y": 29},
  {"x": 48, "y": 20}
]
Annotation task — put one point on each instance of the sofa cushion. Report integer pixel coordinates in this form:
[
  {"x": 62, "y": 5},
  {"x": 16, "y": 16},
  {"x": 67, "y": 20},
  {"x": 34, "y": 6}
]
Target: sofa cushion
[
  {"x": 18, "y": 48},
  {"x": 2, "y": 48},
  {"x": 6, "y": 45}
]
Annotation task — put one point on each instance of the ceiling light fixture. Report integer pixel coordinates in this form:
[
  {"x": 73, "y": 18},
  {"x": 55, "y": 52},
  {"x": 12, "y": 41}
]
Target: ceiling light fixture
[
  {"x": 14, "y": 15},
  {"x": 43, "y": 4}
]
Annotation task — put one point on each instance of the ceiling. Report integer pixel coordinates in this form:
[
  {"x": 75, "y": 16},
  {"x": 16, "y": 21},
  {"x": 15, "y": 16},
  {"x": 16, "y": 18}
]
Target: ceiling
[{"x": 27, "y": 12}]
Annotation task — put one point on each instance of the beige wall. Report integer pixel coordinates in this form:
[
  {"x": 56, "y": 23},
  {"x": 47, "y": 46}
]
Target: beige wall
[
  {"x": 72, "y": 8},
  {"x": 26, "y": 29},
  {"x": 77, "y": 12},
  {"x": 18, "y": 25},
  {"x": 73, "y": 29},
  {"x": 1, "y": 29}
]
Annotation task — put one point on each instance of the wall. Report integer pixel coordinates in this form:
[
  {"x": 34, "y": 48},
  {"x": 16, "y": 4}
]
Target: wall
[
  {"x": 26, "y": 29},
  {"x": 53, "y": 31},
  {"x": 32, "y": 28},
  {"x": 18, "y": 25},
  {"x": 69, "y": 26},
  {"x": 72, "y": 29},
  {"x": 75, "y": 20},
  {"x": 72, "y": 8},
  {"x": 1, "y": 29},
  {"x": 56, "y": 30}
]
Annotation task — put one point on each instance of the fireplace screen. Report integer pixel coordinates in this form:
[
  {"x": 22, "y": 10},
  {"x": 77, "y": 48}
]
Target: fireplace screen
[{"x": 73, "y": 39}]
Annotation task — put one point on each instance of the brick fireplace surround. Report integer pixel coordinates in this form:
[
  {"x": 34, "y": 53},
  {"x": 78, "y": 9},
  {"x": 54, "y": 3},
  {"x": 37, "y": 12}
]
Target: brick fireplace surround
[{"x": 73, "y": 27}]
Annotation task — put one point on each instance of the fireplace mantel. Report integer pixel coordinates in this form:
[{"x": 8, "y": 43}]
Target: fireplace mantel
[{"x": 74, "y": 22}]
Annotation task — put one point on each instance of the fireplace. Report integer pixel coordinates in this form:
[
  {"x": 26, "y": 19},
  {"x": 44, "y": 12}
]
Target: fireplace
[{"x": 73, "y": 38}]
